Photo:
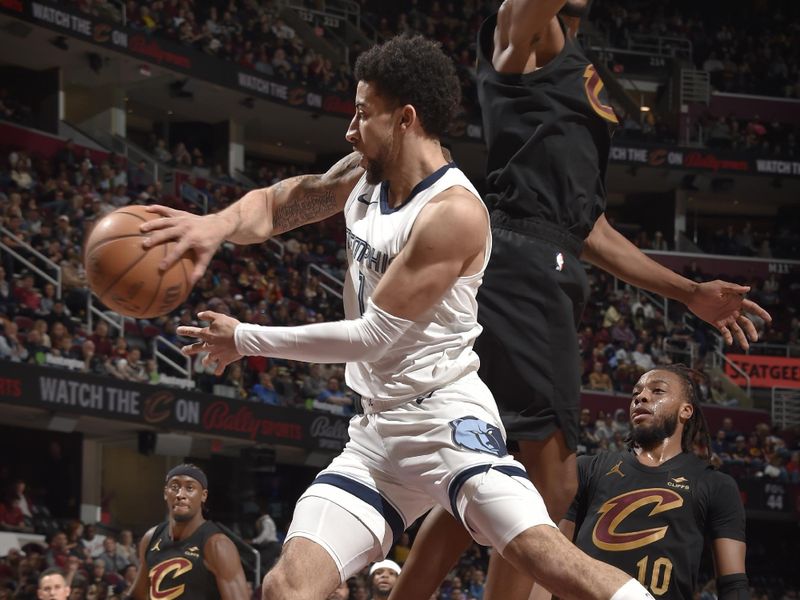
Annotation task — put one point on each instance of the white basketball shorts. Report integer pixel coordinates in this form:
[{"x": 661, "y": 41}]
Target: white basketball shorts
[{"x": 447, "y": 449}]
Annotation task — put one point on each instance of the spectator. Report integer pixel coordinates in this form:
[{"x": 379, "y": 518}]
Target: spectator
[
  {"x": 92, "y": 541},
  {"x": 114, "y": 561},
  {"x": 332, "y": 395},
  {"x": 265, "y": 392},
  {"x": 599, "y": 379}
]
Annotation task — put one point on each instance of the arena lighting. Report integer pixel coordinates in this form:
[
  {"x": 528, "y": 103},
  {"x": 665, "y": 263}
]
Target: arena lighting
[
  {"x": 644, "y": 108},
  {"x": 60, "y": 42}
]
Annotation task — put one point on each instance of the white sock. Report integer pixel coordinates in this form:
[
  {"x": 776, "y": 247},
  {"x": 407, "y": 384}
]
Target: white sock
[{"x": 633, "y": 590}]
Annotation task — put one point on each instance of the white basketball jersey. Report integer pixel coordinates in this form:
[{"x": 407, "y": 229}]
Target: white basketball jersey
[{"x": 437, "y": 349}]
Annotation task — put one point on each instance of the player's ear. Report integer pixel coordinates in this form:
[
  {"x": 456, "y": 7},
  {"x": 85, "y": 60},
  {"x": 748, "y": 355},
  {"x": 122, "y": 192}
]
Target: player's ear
[
  {"x": 686, "y": 411},
  {"x": 204, "y": 495},
  {"x": 408, "y": 116}
]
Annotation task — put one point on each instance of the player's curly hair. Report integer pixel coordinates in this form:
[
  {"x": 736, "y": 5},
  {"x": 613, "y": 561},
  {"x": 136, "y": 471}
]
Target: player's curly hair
[
  {"x": 695, "y": 431},
  {"x": 414, "y": 70}
]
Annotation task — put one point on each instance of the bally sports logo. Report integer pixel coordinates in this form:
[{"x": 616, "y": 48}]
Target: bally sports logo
[{"x": 606, "y": 534}]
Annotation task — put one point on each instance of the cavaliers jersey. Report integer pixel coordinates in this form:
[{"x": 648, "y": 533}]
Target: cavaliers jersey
[
  {"x": 176, "y": 569},
  {"x": 651, "y": 522},
  {"x": 437, "y": 348},
  {"x": 548, "y": 135}
]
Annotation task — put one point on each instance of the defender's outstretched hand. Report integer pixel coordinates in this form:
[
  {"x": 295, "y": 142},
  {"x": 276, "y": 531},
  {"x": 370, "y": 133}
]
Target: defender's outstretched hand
[
  {"x": 217, "y": 339},
  {"x": 723, "y": 305},
  {"x": 202, "y": 234}
]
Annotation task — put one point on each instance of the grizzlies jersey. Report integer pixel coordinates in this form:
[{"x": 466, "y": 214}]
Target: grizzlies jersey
[
  {"x": 548, "y": 135},
  {"x": 437, "y": 348},
  {"x": 176, "y": 569},
  {"x": 651, "y": 522}
]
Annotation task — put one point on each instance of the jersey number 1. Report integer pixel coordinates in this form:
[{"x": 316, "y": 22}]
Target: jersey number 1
[
  {"x": 361, "y": 293},
  {"x": 659, "y": 577}
]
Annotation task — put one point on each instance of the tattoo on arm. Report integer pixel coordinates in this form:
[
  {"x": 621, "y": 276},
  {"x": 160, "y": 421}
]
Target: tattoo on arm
[{"x": 307, "y": 206}]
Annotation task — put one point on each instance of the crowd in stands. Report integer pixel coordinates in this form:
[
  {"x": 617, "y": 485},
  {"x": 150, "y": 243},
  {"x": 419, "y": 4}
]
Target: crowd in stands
[
  {"x": 51, "y": 204},
  {"x": 101, "y": 562},
  {"x": 749, "y": 48},
  {"x": 250, "y": 34}
]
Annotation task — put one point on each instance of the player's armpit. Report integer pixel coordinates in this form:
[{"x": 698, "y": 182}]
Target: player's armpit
[
  {"x": 448, "y": 241},
  {"x": 222, "y": 559}
]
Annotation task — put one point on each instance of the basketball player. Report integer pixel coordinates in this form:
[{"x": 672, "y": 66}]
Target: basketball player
[
  {"x": 418, "y": 241},
  {"x": 52, "y": 585},
  {"x": 187, "y": 556},
  {"x": 548, "y": 126},
  {"x": 648, "y": 509}
]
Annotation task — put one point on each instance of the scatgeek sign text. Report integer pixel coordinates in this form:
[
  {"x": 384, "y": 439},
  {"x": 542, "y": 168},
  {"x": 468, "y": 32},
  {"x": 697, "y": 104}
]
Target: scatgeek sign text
[
  {"x": 765, "y": 371},
  {"x": 167, "y": 408}
]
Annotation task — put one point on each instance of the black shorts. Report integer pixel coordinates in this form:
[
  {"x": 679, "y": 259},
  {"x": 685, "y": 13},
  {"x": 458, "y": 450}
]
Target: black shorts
[{"x": 530, "y": 304}]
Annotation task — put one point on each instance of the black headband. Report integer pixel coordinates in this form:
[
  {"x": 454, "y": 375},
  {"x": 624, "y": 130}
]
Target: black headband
[{"x": 189, "y": 471}]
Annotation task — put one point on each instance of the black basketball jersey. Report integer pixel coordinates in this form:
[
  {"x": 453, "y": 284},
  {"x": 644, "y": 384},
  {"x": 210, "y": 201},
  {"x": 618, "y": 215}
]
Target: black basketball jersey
[
  {"x": 548, "y": 135},
  {"x": 651, "y": 522},
  {"x": 177, "y": 569}
]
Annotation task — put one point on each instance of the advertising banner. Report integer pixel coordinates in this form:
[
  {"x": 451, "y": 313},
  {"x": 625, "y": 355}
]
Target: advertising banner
[
  {"x": 765, "y": 371},
  {"x": 171, "y": 409}
]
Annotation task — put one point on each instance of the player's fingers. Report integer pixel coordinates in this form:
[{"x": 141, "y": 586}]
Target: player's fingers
[
  {"x": 221, "y": 364},
  {"x": 160, "y": 209},
  {"x": 199, "y": 269},
  {"x": 755, "y": 309},
  {"x": 726, "y": 334},
  {"x": 208, "y": 315},
  {"x": 748, "y": 327},
  {"x": 734, "y": 288},
  {"x": 173, "y": 255},
  {"x": 193, "y": 349},
  {"x": 200, "y": 333},
  {"x": 741, "y": 338},
  {"x": 160, "y": 235}
]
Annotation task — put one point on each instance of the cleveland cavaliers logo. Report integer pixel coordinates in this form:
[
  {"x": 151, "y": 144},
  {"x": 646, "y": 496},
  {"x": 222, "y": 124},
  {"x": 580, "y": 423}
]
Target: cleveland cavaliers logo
[
  {"x": 606, "y": 534},
  {"x": 594, "y": 85},
  {"x": 174, "y": 568}
]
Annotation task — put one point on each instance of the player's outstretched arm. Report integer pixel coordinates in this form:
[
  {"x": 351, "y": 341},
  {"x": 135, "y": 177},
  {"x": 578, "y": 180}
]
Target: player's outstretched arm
[
  {"x": 223, "y": 560},
  {"x": 139, "y": 588},
  {"x": 448, "y": 240},
  {"x": 255, "y": 217},
  {"x": 719, "y": 303},
  {"x": 526, "y": 29}
]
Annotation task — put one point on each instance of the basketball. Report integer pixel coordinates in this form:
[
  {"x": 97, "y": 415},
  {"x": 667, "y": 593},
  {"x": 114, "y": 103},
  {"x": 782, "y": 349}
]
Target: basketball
[{"x": 125, "y": 276}]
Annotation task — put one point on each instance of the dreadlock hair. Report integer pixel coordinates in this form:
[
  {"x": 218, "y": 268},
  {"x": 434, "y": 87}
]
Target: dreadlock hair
[{"x": 696, "y": 428}]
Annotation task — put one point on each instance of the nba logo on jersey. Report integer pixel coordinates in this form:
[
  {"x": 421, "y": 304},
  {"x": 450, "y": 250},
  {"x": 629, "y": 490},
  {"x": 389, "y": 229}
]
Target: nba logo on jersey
[
  {"x": 559, "y": 262},
  {"x": 473, "y": 434}
]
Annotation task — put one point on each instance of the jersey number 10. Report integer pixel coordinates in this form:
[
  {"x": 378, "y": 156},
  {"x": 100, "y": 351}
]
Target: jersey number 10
[{"x": 659, "y": 576}]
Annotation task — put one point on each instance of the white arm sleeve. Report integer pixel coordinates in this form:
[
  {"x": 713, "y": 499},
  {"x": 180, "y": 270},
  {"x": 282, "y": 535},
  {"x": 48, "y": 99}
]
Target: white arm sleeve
[{"x": 354, "y": 340}]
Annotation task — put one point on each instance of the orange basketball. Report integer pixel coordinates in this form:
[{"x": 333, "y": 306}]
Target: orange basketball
[{"x": 125, "y": 276}]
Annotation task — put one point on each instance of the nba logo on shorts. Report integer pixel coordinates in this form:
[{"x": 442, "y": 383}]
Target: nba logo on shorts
[
  {"x": 473, "y": 434},
  {"x": 559, "y": 262}
]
